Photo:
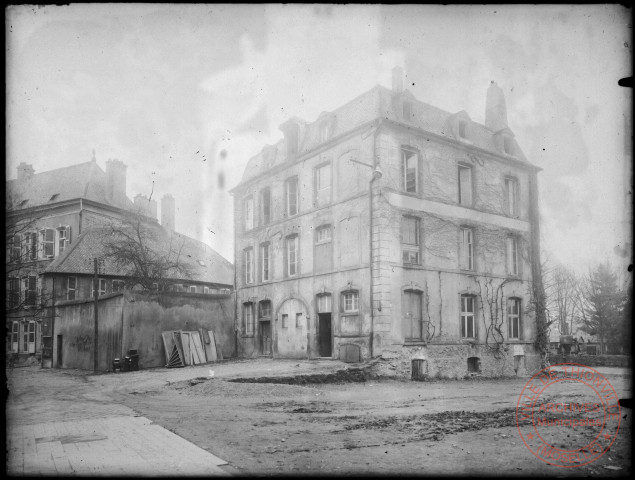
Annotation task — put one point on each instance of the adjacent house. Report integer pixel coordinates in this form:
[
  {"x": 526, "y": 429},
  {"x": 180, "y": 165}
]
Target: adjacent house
[
  {"x": 57, "y": 224},
  {"x": 394, "y": 230}
]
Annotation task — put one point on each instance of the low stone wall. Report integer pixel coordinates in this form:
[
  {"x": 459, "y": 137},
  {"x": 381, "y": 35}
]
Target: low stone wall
[
  {"x": 450, "y": 361},
  {"x": 594, "y": 360}
]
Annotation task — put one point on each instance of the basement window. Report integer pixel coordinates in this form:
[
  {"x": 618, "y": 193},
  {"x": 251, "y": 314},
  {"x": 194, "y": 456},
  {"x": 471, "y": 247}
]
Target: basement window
[{"x": 473, "y": 365}]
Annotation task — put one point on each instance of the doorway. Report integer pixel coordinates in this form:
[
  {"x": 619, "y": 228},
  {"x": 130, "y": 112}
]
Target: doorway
[
  {"x": 265, "y": 337},
  {"x": 324, "y": 334},
  {"x": 59, "y": 351}
]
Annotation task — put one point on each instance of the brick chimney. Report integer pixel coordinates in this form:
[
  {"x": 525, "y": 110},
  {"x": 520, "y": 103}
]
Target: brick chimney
[
  {"x": 25, "y": 171},
  {"x": 116, "y": 182},
  {"x": 495, "y": 108},
  {"x": 168, "y": 208}
]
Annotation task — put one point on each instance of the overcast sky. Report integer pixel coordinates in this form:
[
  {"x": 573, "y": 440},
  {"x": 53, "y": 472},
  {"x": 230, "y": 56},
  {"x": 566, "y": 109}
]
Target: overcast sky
[{"x": 182, "y": 94}]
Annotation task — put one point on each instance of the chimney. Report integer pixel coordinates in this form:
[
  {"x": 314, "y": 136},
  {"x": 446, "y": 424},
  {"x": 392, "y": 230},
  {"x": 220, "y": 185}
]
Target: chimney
[
  {"x": 397, "y": 80},
  {"x": 168, "y": 212},
  {"x": 495, "y": 109},
  {"x": 116, "y": 182},
  {"x": 25, "y": 171},
  {"x": 141, "y": 204}
]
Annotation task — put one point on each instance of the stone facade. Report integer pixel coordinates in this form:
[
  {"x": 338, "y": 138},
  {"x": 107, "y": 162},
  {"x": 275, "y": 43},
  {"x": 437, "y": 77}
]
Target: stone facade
[{"x": 415, "y": 224}]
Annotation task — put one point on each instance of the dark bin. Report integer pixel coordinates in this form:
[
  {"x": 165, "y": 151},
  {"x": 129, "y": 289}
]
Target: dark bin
[
  {"x": 117, "y": 365},
  {"x": 132, "y": 360}
]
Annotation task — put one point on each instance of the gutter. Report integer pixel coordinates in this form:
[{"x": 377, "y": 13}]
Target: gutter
[{"x": 370, "y": 238}]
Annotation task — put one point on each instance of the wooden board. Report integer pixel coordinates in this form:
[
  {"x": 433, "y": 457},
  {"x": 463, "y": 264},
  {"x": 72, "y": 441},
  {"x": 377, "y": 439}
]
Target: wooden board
[
  {"x": 196, "y": 336},
  {"x": 207, "y": 345},
  {"x": 168, "y": 343},
  {"x": 212, "y": 356},
  {"x": 179, "y": 345},
  {"x": 185, "y": 341}
]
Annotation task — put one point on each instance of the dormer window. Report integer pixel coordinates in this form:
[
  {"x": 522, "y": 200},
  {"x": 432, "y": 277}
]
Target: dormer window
[
  {"x": 54, "y": 196},
  {"x": 23, "y": 203},
  {"x": 508, "y": 145},
  {"x": 325, "y": 131},
  {"x": 462, "y": 129}
]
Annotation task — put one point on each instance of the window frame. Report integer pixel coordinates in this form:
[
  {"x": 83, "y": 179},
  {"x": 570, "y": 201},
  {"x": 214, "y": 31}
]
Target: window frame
[
  {"x": 120, "y": 285},
  {"x": 404, "y": 151},
  {"x": 249, "y": 321},
  {"x": 512, "y": 255},
  {"x": 31, "y": 246},
  {"x": 248, "y": 265},
  {"x": 354, "y": 304},
  {"x": 296, "y": 195},
  {"x": 466, "y": 315},
  {"x": 514, "y": 318},
  {"x": 249, "y": 213},
  {"x": 264, "y": 206},
  {"x": 265, "y": 257},
  {"x": 411, "y": 247},
  {"x": 511, "y": 195},
  {"x": 462, "y": 129},
  {"x": 294, "y": 240},
  {"x": 466, "y": 248},
  {"x": 461, "y": 194},
  {"x": 43, "y": 243},
  {"x": 100, "y": 291},
  {"x": 419, "y": 294},
  {"x": 265, "y": 315},
  {"x": 15, "y": 248},
  {"x": 63, "y": 239},
  {"x": 74, "y": 290},
  {"x": 29, "y": 296},
  {"x": 14, "y": 291},
  {"x": 316, "y": 182},
  {"x": 298, "y": 320}
]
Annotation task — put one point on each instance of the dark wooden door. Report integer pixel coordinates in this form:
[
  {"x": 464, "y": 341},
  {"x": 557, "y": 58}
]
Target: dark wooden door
[
  {"x": 265, "y": 338},
  {"x": 324, "y": 334}
]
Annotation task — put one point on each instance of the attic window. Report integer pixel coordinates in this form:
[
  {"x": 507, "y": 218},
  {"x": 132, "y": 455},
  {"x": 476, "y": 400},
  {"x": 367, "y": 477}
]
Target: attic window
[
  {"x": 508, "y": 146},
  {"x": 462, "y": 128},
  {"x": 53, "y": 197},
  {"x": 201, "y": 263},
  {"x": 23, "y": 203}
]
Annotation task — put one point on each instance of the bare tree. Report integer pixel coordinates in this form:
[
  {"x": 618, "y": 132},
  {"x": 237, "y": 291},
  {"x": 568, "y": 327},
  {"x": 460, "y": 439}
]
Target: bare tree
[
  {"x": 563, "y": 298},
  {"x": 150, "y": 257}
]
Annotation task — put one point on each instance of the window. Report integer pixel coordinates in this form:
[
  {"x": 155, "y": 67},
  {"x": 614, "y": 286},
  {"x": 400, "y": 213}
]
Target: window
[
  {"x": 13, "y": 289},
  {"x": 325, "y": 131},
  {"x": 513, "y": 318},
  {"x": 465, "y": 185},
  {"x": 265, "y": 206},
  {"x": 351, "y": 302},
  {"x": 30, "y": 245},
  {"x": 410, "y": 170},
  {"x": 47, "y": 243},
  {"x": 291, "y": 192},
  {"x": 285, "y": 320},
  {"x": 29, "y": 338},
  {"x": 468, "y": 324},
  {"x": 407, "y": 110},
  {"x": 225, "y": 291},
  {"x": 118, "y": 286},
  {"x": 249, "y": 213},
  {"x": 265, "y": 309},
  {"x": 71, "y": 288},
  {"x": 205, "y": 290},
  {"x": 101, "y": 289},
  {"x": 265, "y": 262},
  {"x": 298, "y": 320},
  {"x": 63, "y": 238},
  {"x": 248, "y": 265},
  {"x": 511, "y": 196},
  {"x": 29, "y": 289},
  {"x": 323, "y": 184},
  {"x": 412, "y": 315},
  {"x": 508, "y": 145},
  {"x": 410, "y": 240},
  {"x": 192, "y": 289},
  {"x": 15, "y": 336},
  {"x": 512, "y": 256},
  {"x": 324, "y": 303},
  {"x": 467, "y": 249},
  {"x": 291, "y": 256},
  {"x": 248, "y": 318},
  {"x": 15, "y": 248},
  {"x": 462, "y": 128},
  {"x": 323, "y": 255}
]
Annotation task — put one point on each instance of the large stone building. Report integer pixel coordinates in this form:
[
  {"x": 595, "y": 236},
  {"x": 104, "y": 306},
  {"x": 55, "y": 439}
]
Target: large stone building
[
  {"x": 391, "y": 229},
  {"x": 57, "y": 222}
]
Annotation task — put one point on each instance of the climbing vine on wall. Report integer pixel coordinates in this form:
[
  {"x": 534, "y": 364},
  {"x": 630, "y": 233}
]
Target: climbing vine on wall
[{"x": 492, "y": 296}]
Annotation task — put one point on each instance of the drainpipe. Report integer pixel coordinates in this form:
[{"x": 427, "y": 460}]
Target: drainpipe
[{"x": 376, "y": 174}]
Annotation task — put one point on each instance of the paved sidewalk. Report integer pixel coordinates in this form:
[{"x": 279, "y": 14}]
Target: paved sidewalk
[{"x": 110, "y": 446}]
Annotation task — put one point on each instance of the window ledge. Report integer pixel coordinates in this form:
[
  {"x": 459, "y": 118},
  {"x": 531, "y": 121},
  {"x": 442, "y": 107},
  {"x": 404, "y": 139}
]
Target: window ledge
[
  {"x": 349, "y": 314},
  {"x": 414, "y": 343}
]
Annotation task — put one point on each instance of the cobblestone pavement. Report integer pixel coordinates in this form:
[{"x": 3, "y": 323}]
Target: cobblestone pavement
[{"x": 60, "y": 424}]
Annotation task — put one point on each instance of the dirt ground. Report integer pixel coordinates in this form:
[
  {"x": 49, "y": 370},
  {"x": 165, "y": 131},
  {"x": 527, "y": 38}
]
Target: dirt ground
[{"x": 386, "y": 426}]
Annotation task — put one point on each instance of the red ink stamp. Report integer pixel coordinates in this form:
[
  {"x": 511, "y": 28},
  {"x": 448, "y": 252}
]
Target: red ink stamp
[{"x": 568, "y": 415}]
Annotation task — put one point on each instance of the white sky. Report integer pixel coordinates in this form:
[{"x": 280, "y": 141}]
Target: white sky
[{"x": 182, "y": 93}]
